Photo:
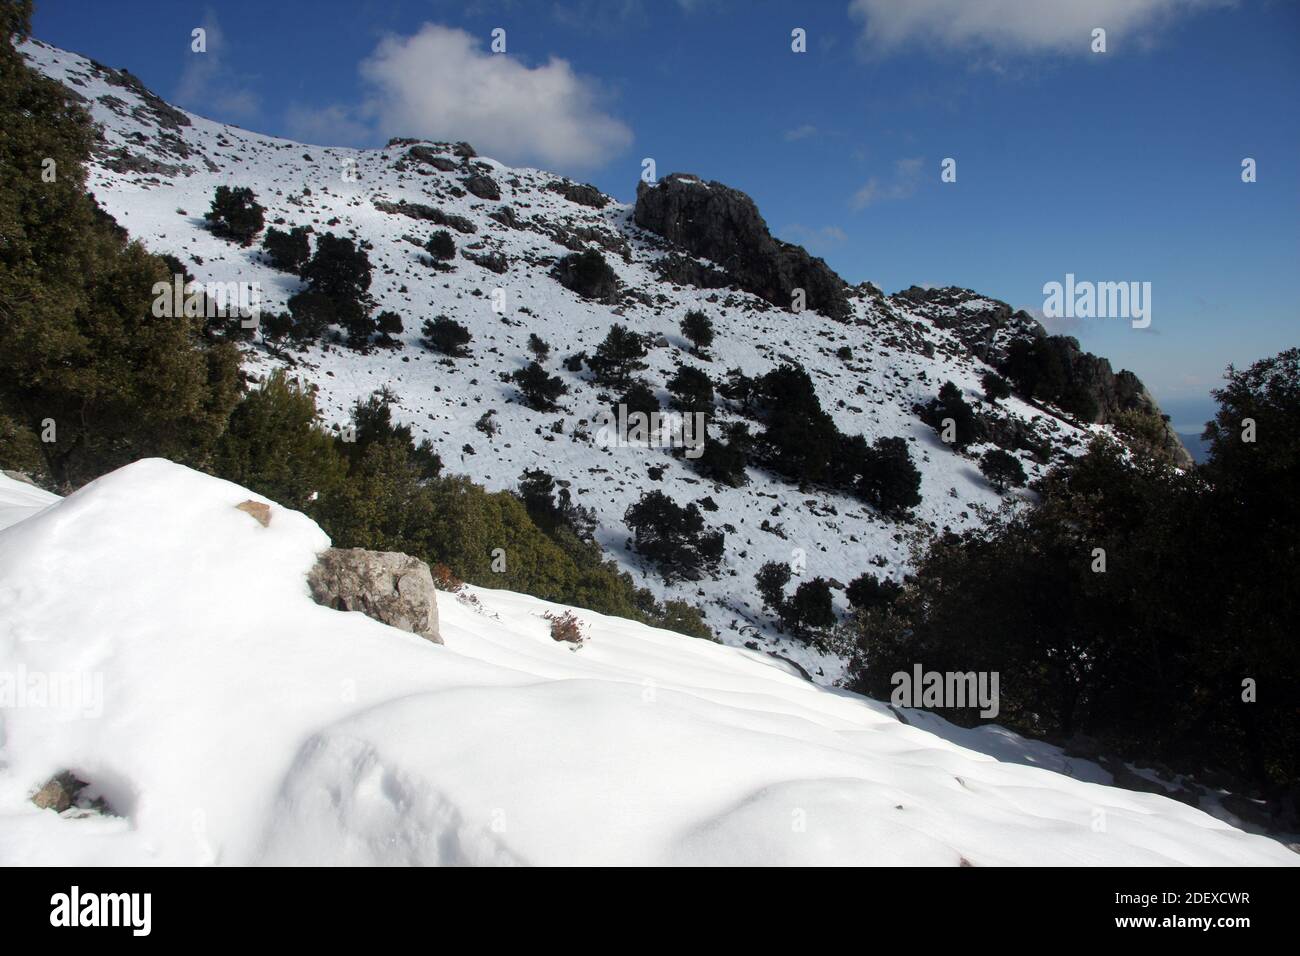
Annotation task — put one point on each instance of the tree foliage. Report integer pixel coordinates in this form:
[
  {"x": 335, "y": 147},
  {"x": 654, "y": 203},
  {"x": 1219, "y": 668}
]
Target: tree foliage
[{"x": 235, "y": 214}]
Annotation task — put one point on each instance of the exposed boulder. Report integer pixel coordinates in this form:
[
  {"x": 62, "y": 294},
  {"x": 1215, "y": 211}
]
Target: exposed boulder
[
  {"x": 416, "y": 210},
  {"x": 428, "y": 156},
  {"x": 483, "y": 186},
  {"x": 391, "y": 587},
  {"x": 66, "y": 790},
  {"x": 580, "y": 193},
  {"x": 723, "y": 224},
  {"x": 260, "y": 511}
]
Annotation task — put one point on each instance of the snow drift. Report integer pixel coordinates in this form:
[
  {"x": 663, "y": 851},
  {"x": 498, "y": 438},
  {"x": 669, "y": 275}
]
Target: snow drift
[{"x": 235, "y": 721}]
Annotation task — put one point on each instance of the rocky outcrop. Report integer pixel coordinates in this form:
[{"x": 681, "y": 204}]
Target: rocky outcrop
[
  {"x": 416, "y": 210},
  {"x": 723, "y": 224},
  {"x": 984, "y": 326},
  {"x": 483, "y": 186},
  {"x": 580, "y": 193},
  {"x": 391, "y": 587},
  {"x": 427, "y": 155},
  {"x": 987, "y": 327},
  {"x": 683, "y": 270}
]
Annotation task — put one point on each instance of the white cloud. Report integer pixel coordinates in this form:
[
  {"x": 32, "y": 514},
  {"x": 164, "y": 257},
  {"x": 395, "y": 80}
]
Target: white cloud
[
  {"x": 441, "y": 83},
  {"x": 331, "y": 126},
  {"x": 1012, "y": 25},
  {"x": 816, "y": 239},
  {"x": 207, "y": 83},
  {"x": 800, "y": 132},
  {"x": 907, "y": 176}
]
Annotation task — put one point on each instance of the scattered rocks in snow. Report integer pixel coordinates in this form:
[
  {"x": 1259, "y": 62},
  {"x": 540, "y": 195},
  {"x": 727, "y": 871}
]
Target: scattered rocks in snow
[{"x": 393, "y": 588}]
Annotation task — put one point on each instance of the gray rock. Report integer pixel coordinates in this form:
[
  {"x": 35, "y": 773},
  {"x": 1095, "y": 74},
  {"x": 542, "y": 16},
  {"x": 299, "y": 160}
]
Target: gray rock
[
  {"x": 483, "y": 186},
  {"x": 580, "y": 193},
  {"x": 391, "y": 587},
  {"x": 426, "y": 155}
]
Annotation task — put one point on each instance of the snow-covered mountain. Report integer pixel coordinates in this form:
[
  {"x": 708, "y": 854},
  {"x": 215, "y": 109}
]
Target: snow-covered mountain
[
  {"x": 155, "y": 171},
  {"x": 160, "y": 645}
]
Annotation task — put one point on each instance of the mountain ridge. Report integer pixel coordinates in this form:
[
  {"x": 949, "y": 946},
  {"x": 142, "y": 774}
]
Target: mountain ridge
[{"x": 875, "y": 359}]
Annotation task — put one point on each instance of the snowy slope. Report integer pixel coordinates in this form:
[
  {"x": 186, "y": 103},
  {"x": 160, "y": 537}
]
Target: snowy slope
[
  {"x": 155, "y": 171},
  {"x": 238, "y": 722}
]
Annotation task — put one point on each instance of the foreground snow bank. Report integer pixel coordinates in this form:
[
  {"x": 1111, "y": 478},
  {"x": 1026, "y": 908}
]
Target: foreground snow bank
[{"x": 226, "y": 718}]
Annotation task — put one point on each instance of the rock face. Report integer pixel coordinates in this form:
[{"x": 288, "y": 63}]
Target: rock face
[
  {"x": 391, "y": 587},
  {"x": 985, "y": 326},
  {"x": 483, "y": 186},
  {"x": 723, "y": 224},
  {"x": 580, "y": 193}
]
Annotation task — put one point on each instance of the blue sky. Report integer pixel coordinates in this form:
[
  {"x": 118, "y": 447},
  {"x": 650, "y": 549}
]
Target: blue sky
[{"x": 1115, "y": 166}]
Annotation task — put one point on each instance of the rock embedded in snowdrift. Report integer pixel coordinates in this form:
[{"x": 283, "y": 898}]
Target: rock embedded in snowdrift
[
  {"x": 260, "y": 511},
  {"x": 59, "y": 793},
  {"x": 393, "y": 588}
]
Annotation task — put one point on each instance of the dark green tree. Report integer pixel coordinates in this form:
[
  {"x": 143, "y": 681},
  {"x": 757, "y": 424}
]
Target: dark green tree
[
  {"x": 698, "y": 329},
  {"x": 446, "y": 336},
  {"x": 288, "y": 251},
  {"x": 441, "y": 246},
  {"x": 235, "y": 215},
  {"x": 674, "y": 538},
  {"x": 1002, "y": 469},
  {"x": 539, "y": 390},
  {"x": 618, "y": 358},
  {"x": 692, "y": 390}
]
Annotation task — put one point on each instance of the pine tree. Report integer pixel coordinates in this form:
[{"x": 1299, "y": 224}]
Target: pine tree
[
  {"x": 539, "y": 390},
  {"x": 274, "y": 445},
  {"x": 84, "y": 361},
  {"x": 619, "y": 357},
  {"x": 441, "y": 246},
  {"x": 675, "y": 538},
  {"x": 446, "y": 336},
  {"x": 338, "y": 269},
  {"x": 288, "y": 251},
  {"x": 1002, "y": 469},
  {"x": 235, "y": 215},
  {"x": 697, "y": 328},
  {"x": 692, "y": 390},
  {"x": 538, "y": 346}
]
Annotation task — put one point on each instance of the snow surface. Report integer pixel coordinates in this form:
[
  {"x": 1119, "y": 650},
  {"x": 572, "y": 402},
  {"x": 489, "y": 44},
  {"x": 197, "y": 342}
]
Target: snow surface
[
  {"x": 901, "y": 354},
  {"x": 238, "y": 722}
]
